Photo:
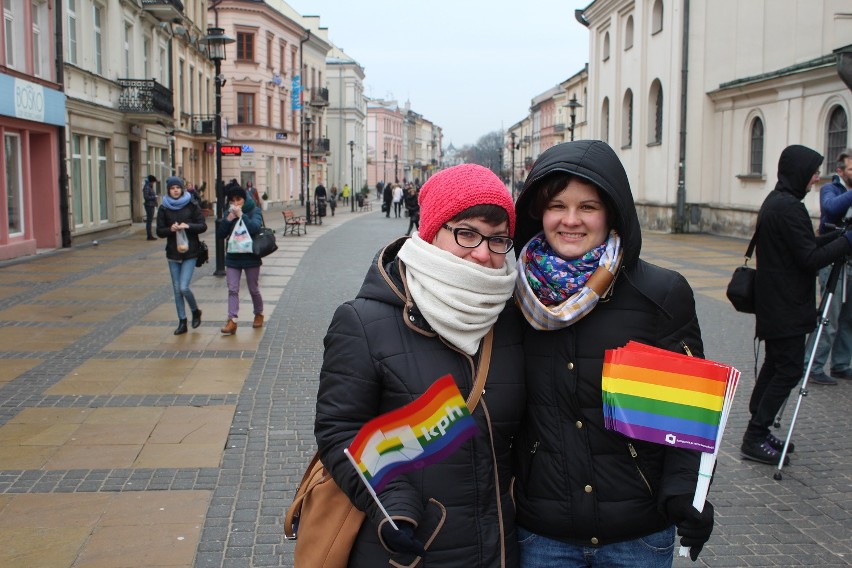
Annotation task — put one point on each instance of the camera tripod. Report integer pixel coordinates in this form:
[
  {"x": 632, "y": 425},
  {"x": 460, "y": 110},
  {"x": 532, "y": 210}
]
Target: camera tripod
[{"x": 837, "y": 272}]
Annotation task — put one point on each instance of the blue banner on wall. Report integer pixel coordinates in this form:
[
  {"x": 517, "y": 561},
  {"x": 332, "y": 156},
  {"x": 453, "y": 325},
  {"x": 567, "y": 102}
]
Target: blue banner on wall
[
  {"x": 29, "y": 101},
  {"x": 297, "y": 93}
]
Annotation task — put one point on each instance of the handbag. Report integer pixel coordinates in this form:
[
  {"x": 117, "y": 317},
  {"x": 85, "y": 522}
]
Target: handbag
[
  {"x": 323, "y": 521},
  {"x": 203, "y": 254},
  {"x": 263, "y": 243},
  {"x": 240, "y": 241},
  {"x": 385, "y": 207},
  {"x": 740, "y": 290}
]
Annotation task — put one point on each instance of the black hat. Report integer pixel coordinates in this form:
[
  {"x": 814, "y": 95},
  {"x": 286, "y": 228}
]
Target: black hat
[{"x": 152, "y": 179}]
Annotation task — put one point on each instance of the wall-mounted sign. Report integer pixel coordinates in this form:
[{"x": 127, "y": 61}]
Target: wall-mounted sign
[
  {"x": 247, "y": 149},
  {"x": 281, "y": 136},
  {"x": 232, "y": 150}
]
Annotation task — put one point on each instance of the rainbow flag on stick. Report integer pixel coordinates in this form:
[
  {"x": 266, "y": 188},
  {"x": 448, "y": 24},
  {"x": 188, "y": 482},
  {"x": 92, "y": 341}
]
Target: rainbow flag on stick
[
  {"x": 414, "y": 436},
  {"x": 667, "y": 398}
]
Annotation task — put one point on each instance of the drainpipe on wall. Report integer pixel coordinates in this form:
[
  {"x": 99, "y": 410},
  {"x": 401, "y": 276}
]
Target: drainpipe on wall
[
  {"x": 64, "y": 221},
  {"x": 680, "y": 210},
  {"x": 303, "y": 193}
]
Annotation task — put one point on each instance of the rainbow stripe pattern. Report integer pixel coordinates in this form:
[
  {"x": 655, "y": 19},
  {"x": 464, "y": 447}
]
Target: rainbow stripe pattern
[
  {"x": 667, "y": 398},
  {"x": 411, "y": 437}
]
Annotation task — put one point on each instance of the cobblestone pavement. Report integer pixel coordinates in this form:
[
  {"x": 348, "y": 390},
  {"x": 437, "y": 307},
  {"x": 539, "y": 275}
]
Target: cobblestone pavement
[{"x": 123, "y": 445}]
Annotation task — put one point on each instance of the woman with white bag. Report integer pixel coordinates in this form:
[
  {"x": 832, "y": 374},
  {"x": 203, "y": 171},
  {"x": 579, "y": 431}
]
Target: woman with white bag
[{"x": 242, "y": 222}]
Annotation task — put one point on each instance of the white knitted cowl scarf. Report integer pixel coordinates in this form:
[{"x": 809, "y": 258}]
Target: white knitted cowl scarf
[{"x": 460, "y": 299}]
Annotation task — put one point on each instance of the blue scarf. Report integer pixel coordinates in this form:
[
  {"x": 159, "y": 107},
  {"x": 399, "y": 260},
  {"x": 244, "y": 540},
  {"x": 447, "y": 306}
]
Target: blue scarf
[{"x": 175, "y": 204}]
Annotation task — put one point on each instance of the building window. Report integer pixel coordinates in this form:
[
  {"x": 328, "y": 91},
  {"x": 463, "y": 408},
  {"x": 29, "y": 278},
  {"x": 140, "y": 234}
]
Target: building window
[
  {"x": 146, "y": 57},
  {"x": 245, "y": 108},
  {"x": 245, "y": 46},
  {"x": 269, "y": 122},
  {"x": 89, "y": 180},
  {"x": 101, "y": 176},
  {"x": 14, "y": 185},
  {"x": 655, "y": 113},
  {"x": 181, "y": 90},
  {"x": 627, "y": 120},
  {"x": 605, "y": 120},
  {"x": 127, "y": 32},
  {"x": 99, "y": 63},
  {"x": 606, "y": 46},
  {"x": 657, "y": 17},
  {"x": 9, "y": 28},
  {"x": 41, "y": 41},
  {"x": 72, "y": 31},
  {"x": 269, "y": 52},
  {"x": 77, "y": 180},
  {"x": 628, "y": 33},
  {"x": 838, "y": 132},
  {"x": 755, "y": 166}
]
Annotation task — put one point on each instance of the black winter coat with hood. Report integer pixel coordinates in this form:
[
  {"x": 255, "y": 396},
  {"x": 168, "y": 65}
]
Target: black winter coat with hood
[
  {"x": 577, "y": 481},
  {"x": 380, "y": 356},
  {"x": 189, "y": 214},
  {"x": 789, "y": 254}
]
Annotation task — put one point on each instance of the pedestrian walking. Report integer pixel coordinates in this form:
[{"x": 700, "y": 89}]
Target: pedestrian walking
[
  {"x": 586, "y": 495},
  {"x": 149, "y": 200},
  {"x": 332, "y": 201},
  {"x": 241, "y": 207},
  {"x": 387, "y": 199},
  {"x": 425, "y": 306},
  {"x": 180, "y": 221},
  {"x": 345, "y": 194},
  {"x": 413, "y": 208},
  {"x": 397, "y": 200},
  {"x": 784, "y": 295}
]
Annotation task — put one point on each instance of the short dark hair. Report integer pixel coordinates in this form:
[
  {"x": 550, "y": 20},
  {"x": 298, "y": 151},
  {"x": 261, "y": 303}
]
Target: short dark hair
[
  {"x": 841, "y": 159},
  {"x": 552, "y": 185},
  {"x": 492, "y": 214}
]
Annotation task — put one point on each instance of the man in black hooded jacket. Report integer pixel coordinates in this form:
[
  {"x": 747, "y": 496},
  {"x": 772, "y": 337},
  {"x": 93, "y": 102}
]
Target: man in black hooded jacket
[{"x": 789, "y": 255}]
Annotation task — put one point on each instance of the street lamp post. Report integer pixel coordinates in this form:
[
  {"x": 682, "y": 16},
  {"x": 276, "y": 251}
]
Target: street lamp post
[
  {"x": 307, "y": 122},
  {"x": 514, "y": 136},
  {"x": 573, "y": 104},
  {"x": 216, "y": 40},
  {"x": 352, "y": 173},
  {"x": 395, "y": 174},
  {"x": 385, "y": 167}
]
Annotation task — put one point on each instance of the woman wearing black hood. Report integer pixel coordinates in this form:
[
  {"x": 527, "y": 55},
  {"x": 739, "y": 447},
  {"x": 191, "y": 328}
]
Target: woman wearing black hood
[
  {"x": 585, "y": 495},
  {"x": 789, "y": 256}
]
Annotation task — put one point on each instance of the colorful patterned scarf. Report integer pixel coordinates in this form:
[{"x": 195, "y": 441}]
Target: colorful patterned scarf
[{"x": 553, "y": 292}]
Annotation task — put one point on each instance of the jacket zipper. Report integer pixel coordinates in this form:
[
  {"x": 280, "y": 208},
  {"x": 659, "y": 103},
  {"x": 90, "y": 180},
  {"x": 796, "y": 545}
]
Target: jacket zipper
[
  {"x": 685, "y": 348},
  {"x": 634, "y": 454}
]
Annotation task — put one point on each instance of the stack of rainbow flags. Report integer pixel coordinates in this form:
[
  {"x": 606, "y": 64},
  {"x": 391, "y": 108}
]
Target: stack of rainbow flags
[{"x": 667, "y": 398}]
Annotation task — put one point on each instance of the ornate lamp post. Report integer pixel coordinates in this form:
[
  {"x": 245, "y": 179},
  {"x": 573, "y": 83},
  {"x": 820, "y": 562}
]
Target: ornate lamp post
[
  {"x": 513, "y": 136},
  {"x": 573, "y": 104},
  {"x": 216, "y": 40},
  {"x": 385, "y": 167},
  {"x": 352, "y": 173},
  {"x": 307, "y": 123},
  {"x": 395, "y": 174}
]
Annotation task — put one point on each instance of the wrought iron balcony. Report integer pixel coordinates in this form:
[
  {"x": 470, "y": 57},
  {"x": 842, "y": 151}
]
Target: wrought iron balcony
[
  {"x": 163, "y": 10},
  {"x": 559, "y": 127},
  {"x": 204, "y": 124},
  {"x": 145, "y": 98},
  {"x": 320, "y": 147},
  {"x": 319, "y": 97}
]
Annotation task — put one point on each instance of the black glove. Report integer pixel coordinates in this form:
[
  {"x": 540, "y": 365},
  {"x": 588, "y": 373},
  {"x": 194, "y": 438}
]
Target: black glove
[
  {"x": 693, "y": 527},
  {"x": 402, "y": 540}
]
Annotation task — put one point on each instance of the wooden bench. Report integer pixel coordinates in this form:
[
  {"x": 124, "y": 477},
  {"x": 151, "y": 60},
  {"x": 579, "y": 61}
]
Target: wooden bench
[{"x": 293, "y": 224}]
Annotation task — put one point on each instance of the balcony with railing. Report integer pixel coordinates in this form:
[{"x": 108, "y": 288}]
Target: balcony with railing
[
  {"x": 203, "y": 124},
  {"x": 560, "y": 127},
  {"x": 320, "y": 147},
  {"x": 145, "y": 99},
  {"x": 319, "y": 97},
  {"x": 163, "y": 10}
]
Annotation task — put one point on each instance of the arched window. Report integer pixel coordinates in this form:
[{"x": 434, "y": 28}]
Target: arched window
[
  {"x": 606, "y": 46},
  {"x": 627, "y": 120},
  {"x": 655, "y": 113},
  {"x": 605, "y": 120},
  {"x": 657, "y": 17},
  {"x": 628, "y": 33},
  {"x": 755, "y": 166},
  {"x": 838, "y": 134}
]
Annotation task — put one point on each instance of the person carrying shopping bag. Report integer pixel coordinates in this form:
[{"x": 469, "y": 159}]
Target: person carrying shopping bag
[{"x": 243, "y": 217}]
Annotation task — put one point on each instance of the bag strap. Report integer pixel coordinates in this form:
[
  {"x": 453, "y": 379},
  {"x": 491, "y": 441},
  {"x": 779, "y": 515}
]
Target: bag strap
[
  {"x": 295, "y": 508},
  {"x": 481, "y": 371},
  {"x": 752, "y": 243}
]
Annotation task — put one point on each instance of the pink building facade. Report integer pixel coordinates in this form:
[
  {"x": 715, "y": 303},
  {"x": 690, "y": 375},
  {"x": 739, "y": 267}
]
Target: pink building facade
[{"x": 385, "y": 122}]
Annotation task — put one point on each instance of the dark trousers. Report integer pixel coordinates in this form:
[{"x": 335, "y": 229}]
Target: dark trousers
[
  {"x": 387, "y": 213},
  {"x": 782, "y": 370},
  {"x": 397, "y": 208},
  {"x": 149, "y": 218}
]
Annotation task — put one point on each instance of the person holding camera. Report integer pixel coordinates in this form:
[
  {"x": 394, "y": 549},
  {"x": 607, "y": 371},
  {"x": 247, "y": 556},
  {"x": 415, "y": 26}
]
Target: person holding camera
[
  {"x": 789, "y": 256},
  {"x": 835, "y": 199}
]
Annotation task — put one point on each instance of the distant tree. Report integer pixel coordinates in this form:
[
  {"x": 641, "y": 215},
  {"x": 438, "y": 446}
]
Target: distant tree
[{"x": 487, "y": 152}]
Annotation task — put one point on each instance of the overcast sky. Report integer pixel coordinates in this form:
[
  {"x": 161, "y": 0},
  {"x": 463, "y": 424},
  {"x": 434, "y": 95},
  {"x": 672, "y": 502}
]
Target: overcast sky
[{"x": 469, "y": 66}]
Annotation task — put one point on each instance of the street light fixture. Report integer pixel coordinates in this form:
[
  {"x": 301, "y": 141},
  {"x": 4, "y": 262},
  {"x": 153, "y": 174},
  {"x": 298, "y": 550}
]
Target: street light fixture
[
  {"x": 395, "y": 174},
  {"x": 352, "y": 178},
  {"x": 513, "y": 136},
  {"x": 307, "y": 122},
  {"x": 385, "y": 167},
  {"x": 573, "y": 104},
  {"x": 216, "y": 40}
]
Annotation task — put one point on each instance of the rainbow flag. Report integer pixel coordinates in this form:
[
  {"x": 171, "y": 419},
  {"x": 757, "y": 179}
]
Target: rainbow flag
[
  {"x": 413, "y": 436},
  {"x": 667, "y": 398}
]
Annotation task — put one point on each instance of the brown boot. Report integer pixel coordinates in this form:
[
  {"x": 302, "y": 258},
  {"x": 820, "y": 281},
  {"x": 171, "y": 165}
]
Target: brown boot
[
  {"x": 230, "y": 328},
  {"x": 258, "y": 321}
]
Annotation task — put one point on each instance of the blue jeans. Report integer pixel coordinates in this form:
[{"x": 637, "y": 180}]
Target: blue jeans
[
  {"x": 181, "y": 277},
  {"x": 651, "y": 551},
  {"x": 836, "y": 337}
]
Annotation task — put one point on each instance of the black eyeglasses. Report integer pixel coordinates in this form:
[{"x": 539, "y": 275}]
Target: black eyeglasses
[{"x": 468, "y": 238}]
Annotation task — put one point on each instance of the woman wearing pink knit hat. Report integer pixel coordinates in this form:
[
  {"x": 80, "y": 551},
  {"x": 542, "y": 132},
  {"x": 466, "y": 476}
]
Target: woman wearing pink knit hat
[{"x": 425, "y": 310}]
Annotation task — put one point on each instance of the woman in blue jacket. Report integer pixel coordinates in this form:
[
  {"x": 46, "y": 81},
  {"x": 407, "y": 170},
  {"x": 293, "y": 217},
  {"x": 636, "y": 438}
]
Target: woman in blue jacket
[{"x": 241, "y": 206}]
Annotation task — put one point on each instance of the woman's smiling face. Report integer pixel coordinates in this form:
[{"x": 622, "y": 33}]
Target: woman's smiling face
[{"x": 575, "y": 220}]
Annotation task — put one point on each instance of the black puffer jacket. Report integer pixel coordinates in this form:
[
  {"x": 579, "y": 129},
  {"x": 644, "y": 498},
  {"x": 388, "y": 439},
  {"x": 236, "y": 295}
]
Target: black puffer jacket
[
  {"x": 788, "y": 253},
  {"x": 189, "y": 214},
  {"x": 377, "y": 360},
  {"x": 577, "y": 481}
]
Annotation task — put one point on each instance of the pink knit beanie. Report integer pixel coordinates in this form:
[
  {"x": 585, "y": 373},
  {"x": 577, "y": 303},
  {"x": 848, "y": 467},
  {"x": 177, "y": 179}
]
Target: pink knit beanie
[{"x": 451, "y": 191}]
